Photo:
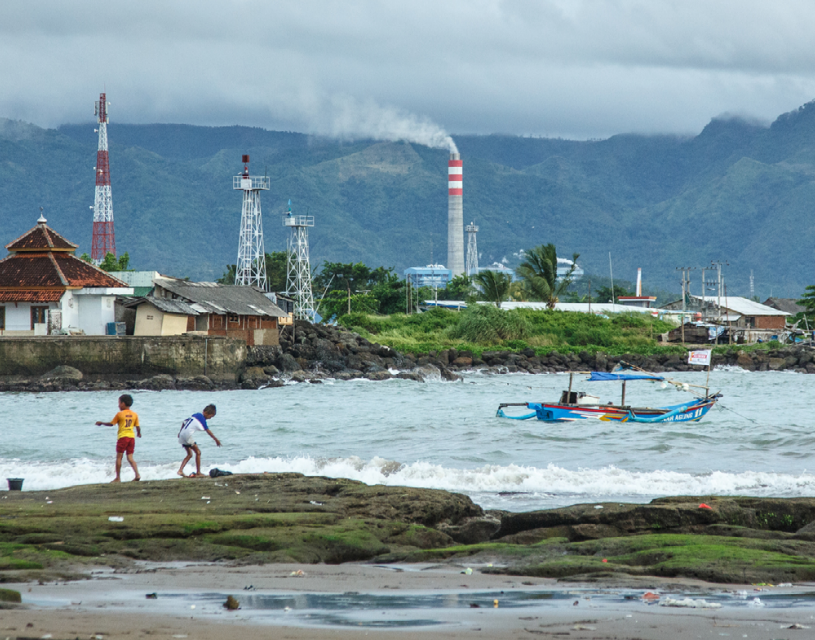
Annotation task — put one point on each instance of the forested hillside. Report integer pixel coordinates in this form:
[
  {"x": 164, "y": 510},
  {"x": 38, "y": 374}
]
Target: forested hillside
[{"x": 737, "y": 192}]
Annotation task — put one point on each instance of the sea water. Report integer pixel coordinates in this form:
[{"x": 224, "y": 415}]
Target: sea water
[{"x": 759, "y": 441}]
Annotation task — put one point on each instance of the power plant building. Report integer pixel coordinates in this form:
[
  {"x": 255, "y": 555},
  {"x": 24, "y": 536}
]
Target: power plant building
[{"x": 433, "y": 275}]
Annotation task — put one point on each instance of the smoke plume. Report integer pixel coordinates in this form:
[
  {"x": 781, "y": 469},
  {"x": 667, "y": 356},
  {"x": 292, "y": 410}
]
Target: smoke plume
[{"x": 346, "y": 118}]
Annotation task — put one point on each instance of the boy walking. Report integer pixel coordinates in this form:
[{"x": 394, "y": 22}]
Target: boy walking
[
  {"x": 186, "y": 438},
  {"x": 127, "y": 421}
]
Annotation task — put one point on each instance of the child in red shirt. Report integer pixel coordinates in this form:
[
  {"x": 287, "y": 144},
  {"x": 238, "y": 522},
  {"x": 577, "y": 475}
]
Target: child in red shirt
[{"x": 127, "y": 421}]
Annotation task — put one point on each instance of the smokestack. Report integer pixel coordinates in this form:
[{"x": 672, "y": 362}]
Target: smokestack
[
  {"x": 455, "y": 216},
  {"x": 639, "y": 282}
]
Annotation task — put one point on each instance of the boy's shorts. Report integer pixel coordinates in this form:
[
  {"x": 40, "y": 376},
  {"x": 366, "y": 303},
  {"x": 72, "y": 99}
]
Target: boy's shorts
[{"x": 126, "y": 445}]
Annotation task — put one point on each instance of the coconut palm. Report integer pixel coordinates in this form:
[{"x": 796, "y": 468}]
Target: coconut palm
[
  {"x": 539, "y": 273},
  {"x": 494, "y": 285}
]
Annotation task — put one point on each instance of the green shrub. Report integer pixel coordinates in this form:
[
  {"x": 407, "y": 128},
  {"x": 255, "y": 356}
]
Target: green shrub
[{"x": 486, "y": 324}]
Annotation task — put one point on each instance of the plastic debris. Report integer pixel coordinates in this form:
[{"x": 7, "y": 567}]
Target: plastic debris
[
  {"x": 784, "y": 584},
  {"x": 605, "y": 560},
  {"x": 319, "y": 504},
  {"x": 468, "y": 571},
  {"x": 238, "y": 492},
  {"x": 231, "y": 603},
  {"x": 650, "y": 595},
  {"x": 204, "y": 497},
  {"x": 297, "y": 574},
  {"x": 690, "y": 603},
  {"x": 583, "y": 627},
  {"x": 598, "y": 506},
  {"x": 116, "y": 519},
  {"x": 151, "y": 596},
  {"x": 495, "y": 603},
  {"x": 705, "y": 506}
]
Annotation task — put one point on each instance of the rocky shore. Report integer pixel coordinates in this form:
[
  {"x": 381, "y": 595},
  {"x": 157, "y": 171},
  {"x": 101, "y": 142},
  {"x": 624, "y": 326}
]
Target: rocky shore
[
  {"x": 319, "y": 352},
  {"x": 273, "y": 518}
]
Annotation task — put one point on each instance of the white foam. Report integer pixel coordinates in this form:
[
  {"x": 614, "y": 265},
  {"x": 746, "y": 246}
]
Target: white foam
[{"x": 606, "y": 483}]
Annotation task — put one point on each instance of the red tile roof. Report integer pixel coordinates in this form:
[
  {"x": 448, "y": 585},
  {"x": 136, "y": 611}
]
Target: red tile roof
[
  {"x": 53, "y": 295},
  {"x": 41, "y": 237},
  {"x": 25, "y": 270}
]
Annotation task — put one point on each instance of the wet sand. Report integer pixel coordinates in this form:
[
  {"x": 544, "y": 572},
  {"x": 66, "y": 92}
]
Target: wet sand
[{"x": 113, "y": 605}]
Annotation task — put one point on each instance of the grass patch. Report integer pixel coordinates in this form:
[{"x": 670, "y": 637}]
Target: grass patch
[{"x": 487, "y": 328}]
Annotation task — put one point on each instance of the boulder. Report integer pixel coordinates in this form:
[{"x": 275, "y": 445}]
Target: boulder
[
  {"x": 160, "y": 382},
  {"x": 745, "y": 361},
  {"x": 288, "y": 364},
  {"x": 463, "y": 361},
  {"x": 379, "y": 375},
  {"x": 62, "y": 373},
  {"x": 194, "y": 383},
  {"x": 777, "y": 364},
  {"x": 409, "y": 375}
]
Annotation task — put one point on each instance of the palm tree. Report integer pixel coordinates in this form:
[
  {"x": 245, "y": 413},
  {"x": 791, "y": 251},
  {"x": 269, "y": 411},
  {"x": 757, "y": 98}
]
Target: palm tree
[
  {"x": 539, "y": 273},
  {"x": 494, "y": 285}
]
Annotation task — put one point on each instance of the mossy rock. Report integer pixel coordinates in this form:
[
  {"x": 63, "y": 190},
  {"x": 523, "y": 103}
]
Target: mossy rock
[{"x": 10, "y": 595}]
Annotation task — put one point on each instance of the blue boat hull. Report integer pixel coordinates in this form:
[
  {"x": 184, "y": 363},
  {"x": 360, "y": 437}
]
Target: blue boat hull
[{"x": 692, "y": 411}]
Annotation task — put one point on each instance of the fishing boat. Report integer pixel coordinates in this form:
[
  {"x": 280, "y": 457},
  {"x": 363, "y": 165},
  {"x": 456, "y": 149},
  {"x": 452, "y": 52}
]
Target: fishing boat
[{"x": 578, "y": 405}]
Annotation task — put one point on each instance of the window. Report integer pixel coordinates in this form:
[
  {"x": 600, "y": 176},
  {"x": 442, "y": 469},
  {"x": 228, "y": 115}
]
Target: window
[
  {"x": 38, "y": 315},
  {"x": 233, "y": 317}
]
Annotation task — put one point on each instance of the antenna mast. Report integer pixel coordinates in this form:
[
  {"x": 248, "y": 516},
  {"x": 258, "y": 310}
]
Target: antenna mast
[
  {"x": 298, "y": 267},
  {"x": 250, "y": 269},
  {"x": 104, "y": 240},
  {"x": 472, "y": 249}
]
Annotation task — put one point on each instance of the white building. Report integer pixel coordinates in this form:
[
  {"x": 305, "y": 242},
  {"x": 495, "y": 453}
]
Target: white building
[{"x": 45, "y": 288}]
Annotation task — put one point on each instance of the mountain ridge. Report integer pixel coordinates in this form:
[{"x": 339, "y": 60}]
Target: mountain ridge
[{"x": 738, "y": 192}]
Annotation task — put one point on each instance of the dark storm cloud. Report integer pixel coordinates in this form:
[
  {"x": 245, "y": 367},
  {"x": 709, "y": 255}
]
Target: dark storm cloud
[{"x": 572, "y": 68}]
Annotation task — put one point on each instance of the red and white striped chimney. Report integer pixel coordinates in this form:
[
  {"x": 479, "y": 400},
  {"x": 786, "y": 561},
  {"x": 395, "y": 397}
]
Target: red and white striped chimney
[{"x": 455, "y": 215}]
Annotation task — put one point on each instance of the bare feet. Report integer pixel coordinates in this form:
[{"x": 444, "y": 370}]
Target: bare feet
[
  {"x": 137, "y": 478},
  {"x": 115, "y": 480},
  {"x": 181, "y": 473}
]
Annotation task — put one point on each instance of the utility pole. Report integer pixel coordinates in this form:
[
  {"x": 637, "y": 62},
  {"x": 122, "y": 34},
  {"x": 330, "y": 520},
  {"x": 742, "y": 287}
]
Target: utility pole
[
  {"x": 717, "y": 265},
  {"x": 685, "y": 292}
]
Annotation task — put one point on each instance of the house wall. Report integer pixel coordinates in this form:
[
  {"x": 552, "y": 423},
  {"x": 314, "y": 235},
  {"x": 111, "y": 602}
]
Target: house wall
[
  {"x": 256, "y": 330},
  {"x": 125, "y": 356},
  {"x": 770, "y": 322},
  {"x": 18, "y": 318},
  {"x": 172, "y": 324}
]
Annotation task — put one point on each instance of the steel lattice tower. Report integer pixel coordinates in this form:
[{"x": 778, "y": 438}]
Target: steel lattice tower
[
  {"x": 298, "y": 266},
  {"x": 251, "y": 266},
  {"x": 104, "y": 240},
  {"x": 472, "y": 249}
]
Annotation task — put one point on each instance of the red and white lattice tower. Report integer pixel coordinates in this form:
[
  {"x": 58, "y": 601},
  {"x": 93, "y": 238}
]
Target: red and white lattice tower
[
  {"x": 455, "y": 215},
  {"x": 104, "y": 241}
]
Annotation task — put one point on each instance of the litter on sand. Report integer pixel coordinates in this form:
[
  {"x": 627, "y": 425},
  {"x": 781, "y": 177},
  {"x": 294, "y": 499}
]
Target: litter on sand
[
  {"x": 583, "y": 627},
  {"x": 116, "y": 519},
  {"x": 649, "y": 595},
  {"x": 690, "y": 603},
  {"x": 468, "y": 571},
  {"x": 297, "y": 574},
  {"x": 796, "y": 626}
]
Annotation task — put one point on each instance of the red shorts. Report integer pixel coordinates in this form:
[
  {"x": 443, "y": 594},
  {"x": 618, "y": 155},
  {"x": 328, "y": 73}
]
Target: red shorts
[{"x": 126, "y": 445}]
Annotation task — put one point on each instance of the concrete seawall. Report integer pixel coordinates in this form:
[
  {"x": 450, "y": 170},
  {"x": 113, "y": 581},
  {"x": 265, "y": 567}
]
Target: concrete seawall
[{"x": 221, "y": 359}]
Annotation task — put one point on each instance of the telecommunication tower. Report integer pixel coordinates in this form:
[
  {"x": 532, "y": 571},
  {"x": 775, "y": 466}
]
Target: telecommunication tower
[
  {"x": 250, "y": 269},
  {"x": 298, "y": 267},
  {"x": 104, "y": 240},
  {"x": 472, "y": 249}
]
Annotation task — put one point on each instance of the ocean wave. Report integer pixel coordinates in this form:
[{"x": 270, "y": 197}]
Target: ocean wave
[{"x": 606, "y": 483}]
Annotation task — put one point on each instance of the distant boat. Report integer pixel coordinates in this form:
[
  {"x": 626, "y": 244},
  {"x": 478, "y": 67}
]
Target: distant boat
[{"x": 578, "y": 405}]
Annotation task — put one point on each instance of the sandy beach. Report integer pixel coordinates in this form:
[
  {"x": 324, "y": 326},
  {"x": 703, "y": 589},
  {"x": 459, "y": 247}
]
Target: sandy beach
[{"x": 113, "y": 604}]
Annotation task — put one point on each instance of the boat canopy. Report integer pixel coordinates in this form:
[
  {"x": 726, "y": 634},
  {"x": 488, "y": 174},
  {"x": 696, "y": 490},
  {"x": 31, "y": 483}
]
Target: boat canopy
[{"x": 602, "y": 376}]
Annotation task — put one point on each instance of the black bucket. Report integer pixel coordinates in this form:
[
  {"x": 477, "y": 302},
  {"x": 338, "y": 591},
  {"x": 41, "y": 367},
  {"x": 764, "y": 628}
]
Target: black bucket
[{"x": 15, "y": 484}]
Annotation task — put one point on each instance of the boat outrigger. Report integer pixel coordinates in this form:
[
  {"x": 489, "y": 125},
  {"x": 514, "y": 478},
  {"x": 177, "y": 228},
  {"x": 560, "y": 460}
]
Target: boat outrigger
[{"x": 578, "y": 405}]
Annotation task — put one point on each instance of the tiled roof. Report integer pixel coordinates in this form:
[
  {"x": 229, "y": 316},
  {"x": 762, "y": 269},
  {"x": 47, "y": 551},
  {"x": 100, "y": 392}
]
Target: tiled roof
[
  {"x": 220, "y": 299},
  {"x": 83, "y": 274},
  {"x": 46, "y": 269},
  {"x": 52, "y": 295},
  {"x": 41, "y": 237}
]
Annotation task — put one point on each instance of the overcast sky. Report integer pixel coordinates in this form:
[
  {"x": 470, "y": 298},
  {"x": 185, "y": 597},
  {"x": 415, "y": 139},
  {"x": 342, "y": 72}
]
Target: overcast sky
[{"x": 570, "y": 68}]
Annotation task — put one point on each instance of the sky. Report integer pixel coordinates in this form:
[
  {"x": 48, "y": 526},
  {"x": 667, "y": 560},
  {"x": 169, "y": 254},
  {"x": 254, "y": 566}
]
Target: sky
[{"x": 416, "y": 69}]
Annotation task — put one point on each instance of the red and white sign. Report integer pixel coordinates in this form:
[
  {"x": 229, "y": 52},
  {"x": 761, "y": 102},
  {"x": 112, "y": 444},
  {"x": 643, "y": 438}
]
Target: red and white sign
[{"x": 700, "y": 357}]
